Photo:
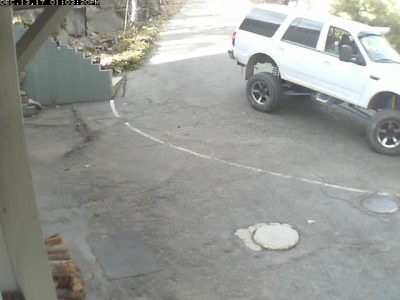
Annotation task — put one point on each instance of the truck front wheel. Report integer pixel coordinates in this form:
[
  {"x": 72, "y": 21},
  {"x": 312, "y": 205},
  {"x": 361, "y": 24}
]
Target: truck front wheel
[
  {"x": 264, "y": 91},
  {"x": 383, "y": 132}
]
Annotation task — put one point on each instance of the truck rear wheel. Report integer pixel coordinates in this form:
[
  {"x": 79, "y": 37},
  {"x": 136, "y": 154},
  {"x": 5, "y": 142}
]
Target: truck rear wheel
[
  {"x": 264, "y": 91},
  {"x": 383, "y": 132}
]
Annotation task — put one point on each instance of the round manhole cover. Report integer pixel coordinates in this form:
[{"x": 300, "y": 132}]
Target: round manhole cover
[
  {"x": 381, "y": 204},
  {"x": 276, "y": 236}
]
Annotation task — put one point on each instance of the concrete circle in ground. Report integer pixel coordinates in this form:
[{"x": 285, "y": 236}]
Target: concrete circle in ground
[
  {"x": 381, "y": 204},
  {"x": 275, "y": 236}
]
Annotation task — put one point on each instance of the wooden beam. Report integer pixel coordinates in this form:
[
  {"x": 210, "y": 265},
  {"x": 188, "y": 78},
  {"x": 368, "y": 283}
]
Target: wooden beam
[
  {"x": 18, "y": 212},
  {"x": 45, "y": 24}
]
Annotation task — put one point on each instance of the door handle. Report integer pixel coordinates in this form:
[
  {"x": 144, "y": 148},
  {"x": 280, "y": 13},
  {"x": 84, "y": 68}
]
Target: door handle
[
  {"x": 325, "y": 62},
  {"x": 281, "y": 48}
]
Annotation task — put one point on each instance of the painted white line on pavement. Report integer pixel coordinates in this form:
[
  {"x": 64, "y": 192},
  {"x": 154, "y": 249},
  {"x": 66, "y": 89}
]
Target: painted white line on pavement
[
  {"x": 145, "y": 134},
  {"x": 114, "y": 110},
  {"x": 258, "y": 170},
  {"x": 249, "y": 168}
]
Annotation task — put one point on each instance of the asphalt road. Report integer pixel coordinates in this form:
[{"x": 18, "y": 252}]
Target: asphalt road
[
  {"x": 191, "y": 77},
  {"x": 184, "y": 161}
]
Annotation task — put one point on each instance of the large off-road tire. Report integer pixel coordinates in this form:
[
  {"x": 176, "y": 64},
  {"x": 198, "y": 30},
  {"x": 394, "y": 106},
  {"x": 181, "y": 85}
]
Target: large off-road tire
[
  {"x": 264, "y": 91},
  {"x": 383, "y": 132}
]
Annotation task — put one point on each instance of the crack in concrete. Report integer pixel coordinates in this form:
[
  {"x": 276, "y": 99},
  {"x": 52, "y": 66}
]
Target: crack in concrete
[{"x": 85, "y": 131}]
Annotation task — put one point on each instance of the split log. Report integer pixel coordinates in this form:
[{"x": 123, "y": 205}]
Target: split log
[
  {"x": 77, "y": 285},
  {"x": 56, "y": 249},
  {"x": 67, "y": 269},
  {"x": 69, "y": 295},
  {"x": 59, "y": 256},
  {"x": 73, "y": 284},
  {"x": 53, "y": 240},
  {"x": 58, "y": 262},
  {"x": 66, "y": 274},
  {"x": 62, "y": 282}
]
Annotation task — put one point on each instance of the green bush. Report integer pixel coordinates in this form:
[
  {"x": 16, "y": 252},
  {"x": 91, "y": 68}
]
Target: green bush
[{"x": 133, "y": 47}]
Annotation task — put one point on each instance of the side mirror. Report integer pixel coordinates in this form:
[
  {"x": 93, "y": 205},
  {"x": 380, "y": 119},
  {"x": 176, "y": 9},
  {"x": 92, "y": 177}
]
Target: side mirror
[{"x": 345, "y": 53}]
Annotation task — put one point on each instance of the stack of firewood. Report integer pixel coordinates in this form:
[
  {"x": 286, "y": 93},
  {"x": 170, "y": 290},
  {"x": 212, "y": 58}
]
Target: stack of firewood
[{"x": 67, "y": 276}]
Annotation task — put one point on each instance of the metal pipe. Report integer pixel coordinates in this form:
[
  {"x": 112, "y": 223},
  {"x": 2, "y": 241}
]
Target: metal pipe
[{"x": 126, "y": 15}]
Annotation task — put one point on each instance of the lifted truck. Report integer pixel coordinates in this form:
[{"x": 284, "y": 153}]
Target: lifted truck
[{"x": 336, "y": 60}]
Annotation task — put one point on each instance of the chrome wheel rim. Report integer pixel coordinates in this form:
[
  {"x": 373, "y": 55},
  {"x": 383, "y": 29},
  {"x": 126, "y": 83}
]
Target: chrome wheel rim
[
  {"x": 389, "y": 134},
  {"x": 260, "y": 92}
]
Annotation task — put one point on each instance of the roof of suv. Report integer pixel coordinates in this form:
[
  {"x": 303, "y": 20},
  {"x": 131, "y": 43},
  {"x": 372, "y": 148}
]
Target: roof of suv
[{"x": 349, "y": 25}]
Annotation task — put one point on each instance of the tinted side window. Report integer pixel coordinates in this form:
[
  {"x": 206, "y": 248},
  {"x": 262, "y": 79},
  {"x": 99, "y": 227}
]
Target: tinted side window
[
  {"x": 304, "y": 32},
  {"x": 338, "y": 37},
  {"x": 262, "y": 22}
]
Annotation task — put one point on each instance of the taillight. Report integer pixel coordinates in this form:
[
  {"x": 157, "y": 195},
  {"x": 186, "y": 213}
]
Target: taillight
[{"x": 233, "y": 38}]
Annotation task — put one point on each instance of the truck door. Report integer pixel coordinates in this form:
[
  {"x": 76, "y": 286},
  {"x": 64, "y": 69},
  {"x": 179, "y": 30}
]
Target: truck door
[
  {"x": 344, "y": 80},
  {"x": 298, "y": 50}
]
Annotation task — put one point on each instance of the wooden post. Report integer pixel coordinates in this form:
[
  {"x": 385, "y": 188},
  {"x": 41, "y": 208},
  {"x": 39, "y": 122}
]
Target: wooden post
[{"x": 18, "y": 212}]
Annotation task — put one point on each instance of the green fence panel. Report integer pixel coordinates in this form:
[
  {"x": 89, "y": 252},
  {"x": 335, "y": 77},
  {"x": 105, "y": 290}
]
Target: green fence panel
[{"x": 61, "y": 75}]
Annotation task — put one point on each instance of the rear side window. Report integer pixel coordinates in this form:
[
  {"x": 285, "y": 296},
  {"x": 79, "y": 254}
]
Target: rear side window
[
  {"x": 304, "y": 32},
  {"x": 262, "y": 22}
]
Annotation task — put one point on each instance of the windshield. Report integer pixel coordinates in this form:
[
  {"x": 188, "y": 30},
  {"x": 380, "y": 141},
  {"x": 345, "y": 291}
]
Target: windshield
[{"x": 379, "y": 49}]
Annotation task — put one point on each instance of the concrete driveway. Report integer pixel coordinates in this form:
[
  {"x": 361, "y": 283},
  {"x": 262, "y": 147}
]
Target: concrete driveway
[{"x": 184, "y": 161}]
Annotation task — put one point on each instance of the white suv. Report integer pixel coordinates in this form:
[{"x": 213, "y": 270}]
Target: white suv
[{"x": 337, "y": 60}]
